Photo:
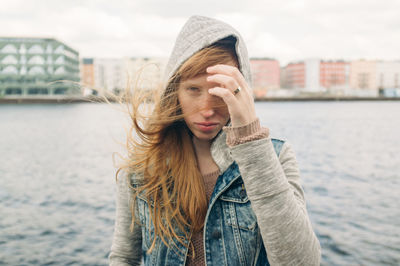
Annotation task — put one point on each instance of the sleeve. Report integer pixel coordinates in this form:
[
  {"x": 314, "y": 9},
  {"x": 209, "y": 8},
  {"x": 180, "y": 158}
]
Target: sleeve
[
  {"x": 277, "y": 199},
  {"x": 126, "y": 246},
  {"x": 243, "y": 134}
]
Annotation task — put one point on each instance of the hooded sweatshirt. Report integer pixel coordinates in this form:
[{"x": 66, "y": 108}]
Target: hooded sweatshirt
[
  {"x": 200, "y": 32},
  {"x": 272, "y": 181}
]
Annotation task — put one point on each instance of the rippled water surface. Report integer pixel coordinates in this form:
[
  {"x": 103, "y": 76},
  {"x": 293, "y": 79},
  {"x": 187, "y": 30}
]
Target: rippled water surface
[{"x": 57, "y": 179}]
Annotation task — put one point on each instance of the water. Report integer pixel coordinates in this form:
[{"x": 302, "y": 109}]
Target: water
[{"x": 57, "y": 179}]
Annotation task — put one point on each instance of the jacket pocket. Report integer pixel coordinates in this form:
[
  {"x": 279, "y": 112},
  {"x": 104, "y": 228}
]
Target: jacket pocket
[
  {"x": 237, "y": 207},
  {"x": 240, "y": 224}
]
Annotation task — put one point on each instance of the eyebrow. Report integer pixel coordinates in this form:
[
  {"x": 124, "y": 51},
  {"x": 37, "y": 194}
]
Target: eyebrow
[{"x": 190, "y": 83}]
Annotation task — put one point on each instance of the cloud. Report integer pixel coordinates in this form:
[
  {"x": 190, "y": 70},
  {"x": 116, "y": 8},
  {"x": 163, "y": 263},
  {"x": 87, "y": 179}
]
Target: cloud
[{"x": 289, "y": 30}]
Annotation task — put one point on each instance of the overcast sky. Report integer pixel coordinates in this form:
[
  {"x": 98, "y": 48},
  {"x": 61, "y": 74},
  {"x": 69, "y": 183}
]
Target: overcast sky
[{"x": 284, "y": 30}]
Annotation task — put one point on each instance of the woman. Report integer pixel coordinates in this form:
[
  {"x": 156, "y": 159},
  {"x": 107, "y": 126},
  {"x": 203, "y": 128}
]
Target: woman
[{"x": 206, "y": 183}]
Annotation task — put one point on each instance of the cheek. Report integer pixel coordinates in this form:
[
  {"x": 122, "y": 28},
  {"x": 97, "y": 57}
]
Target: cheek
[
  {"x": 187, "y": 105},
  {"x": 223, "y": 115},
  {"x": 223, "y": 112}
]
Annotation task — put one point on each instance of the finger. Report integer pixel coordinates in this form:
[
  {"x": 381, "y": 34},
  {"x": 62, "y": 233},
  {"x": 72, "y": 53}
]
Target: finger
[
  {"x": 224, "y": 80},
  {"x": 230, "y": 71},
  {"x": 233, "y": 104},
  {"x": 226, "y": 95}
]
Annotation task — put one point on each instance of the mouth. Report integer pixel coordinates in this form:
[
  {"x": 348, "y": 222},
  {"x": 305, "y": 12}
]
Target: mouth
[{"x": 206, "y": 126}]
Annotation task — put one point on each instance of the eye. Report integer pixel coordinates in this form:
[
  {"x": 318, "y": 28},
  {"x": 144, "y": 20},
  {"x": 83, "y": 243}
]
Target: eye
[{"x": 193, "y": 89}]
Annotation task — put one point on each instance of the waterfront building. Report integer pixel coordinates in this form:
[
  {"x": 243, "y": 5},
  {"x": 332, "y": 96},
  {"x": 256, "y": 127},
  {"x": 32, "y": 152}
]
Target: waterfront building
[
  {"x": 294, "y": 76},
  {"x": 146, "y": 73},
  {"x": 312, "y": 75},
  {"x": 37, "y": 67},
  {"x": 110, "y": 74},
  {"x": 334, "y": 76},
  {"x": 266, "y": 76},
  {"x": 363, "y": 77},
  {"x": 373, "y": 77},
  {"x": 388, "y": 74},
  {"x": 87, "y": 75},
  {"x": 315, "y": 75},
  {"x": 102, "y": 75}
]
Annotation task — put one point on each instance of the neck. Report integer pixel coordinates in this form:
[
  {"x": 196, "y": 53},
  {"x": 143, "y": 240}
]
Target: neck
[
  {"x": 205, "y": 161},
  {"x": 202, "y": 147}
]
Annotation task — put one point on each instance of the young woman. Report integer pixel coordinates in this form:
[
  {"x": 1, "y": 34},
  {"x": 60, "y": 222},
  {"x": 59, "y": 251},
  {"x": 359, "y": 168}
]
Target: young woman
[{"x": 205, "y": 183}]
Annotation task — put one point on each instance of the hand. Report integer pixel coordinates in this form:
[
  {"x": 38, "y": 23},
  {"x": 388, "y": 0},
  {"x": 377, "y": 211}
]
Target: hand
[{"x": 240, "y": 105}]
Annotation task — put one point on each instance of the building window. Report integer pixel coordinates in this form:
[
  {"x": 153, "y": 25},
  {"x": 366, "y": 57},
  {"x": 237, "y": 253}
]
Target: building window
[
  {"x": 36, "y": 60},
  {"x": 60, "y": 60},
  {"x": 10, "y": 59},
  {"x": 59, "y": 50},
  {"x": 60, "y": 70},
  {"x": 36, "y": 49},
  {"x": 10, "y": 70},
  {"x": 36, "y": 70},
  {"x": 9, "y": 49}
]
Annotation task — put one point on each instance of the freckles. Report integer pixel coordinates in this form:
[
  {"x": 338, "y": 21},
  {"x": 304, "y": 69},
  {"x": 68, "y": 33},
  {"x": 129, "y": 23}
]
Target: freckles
[{"x": 223, "y": 111}]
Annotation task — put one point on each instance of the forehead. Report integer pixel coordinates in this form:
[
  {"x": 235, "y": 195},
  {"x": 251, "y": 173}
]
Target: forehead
[
  {"x": 203, "y": 75},
  {"x": 195, "y": 80}
]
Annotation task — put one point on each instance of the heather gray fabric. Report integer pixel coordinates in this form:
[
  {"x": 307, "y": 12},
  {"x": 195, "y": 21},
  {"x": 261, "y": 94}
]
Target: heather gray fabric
[
  {"x": 273, "y": 187},
  {"x": 200, "y": 32},
  {"x": 272, "y": 183}
]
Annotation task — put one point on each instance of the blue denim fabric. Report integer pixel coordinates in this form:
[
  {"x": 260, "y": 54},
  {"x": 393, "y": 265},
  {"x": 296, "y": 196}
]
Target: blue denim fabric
[{"x": 231, "y": 233}]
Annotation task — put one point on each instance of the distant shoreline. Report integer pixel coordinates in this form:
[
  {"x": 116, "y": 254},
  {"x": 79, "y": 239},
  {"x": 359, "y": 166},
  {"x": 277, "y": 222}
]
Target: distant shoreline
[
  {"x": 92, "y": 99},
  {"x": 325, "y": 98}
]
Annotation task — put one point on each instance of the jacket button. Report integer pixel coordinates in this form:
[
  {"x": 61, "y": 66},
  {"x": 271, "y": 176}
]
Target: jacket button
[
  {"x": 216, "y": 234},
  {"x": 242, "y": 194}
]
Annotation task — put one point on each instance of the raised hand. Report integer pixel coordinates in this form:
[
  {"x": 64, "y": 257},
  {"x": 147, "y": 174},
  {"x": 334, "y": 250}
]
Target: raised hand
[{"x": 234, "y": 91}]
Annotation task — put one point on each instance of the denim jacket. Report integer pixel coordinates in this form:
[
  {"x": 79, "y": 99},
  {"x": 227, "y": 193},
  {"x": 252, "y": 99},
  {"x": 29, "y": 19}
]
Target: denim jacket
[
  {"x": 256, "y": 216},
  {"x": 231, "y": 233}
]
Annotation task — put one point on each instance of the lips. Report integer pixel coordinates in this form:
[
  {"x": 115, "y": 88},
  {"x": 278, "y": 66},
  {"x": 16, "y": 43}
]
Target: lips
[{"x": 206, "y": 126}]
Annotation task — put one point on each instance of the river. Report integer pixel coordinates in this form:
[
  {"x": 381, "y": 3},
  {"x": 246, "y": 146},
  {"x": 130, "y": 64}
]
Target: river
[{"x": 57, "y": 184}]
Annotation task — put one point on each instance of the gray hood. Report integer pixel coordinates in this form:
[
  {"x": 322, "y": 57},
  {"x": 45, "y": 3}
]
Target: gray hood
[{"x": 200, "y": 32}]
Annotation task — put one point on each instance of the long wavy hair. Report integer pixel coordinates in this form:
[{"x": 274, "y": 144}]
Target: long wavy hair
[{"x": 161, "y": 154}]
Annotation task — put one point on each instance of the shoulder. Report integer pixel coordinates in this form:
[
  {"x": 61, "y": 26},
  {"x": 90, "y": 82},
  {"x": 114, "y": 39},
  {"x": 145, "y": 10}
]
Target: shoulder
[
  {"x": 278, "y": 144},
  {"x": 285, "y": 153},
  {"x": 283, "y": 149},
  {"x": 126, "y": 182}
]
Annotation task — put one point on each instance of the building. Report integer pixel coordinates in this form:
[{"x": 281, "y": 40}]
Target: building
[
  {"x": 388, "y": 74},
  {"x": 266, "y": 75},
  {"x": 372, "y": 77},
  {"x": 294, "y": 76},
  {"x": 102, "y": 75},
  {"x": 87, "y": 75},
  {"x": 312, "y": 74},
  {"x": 315, "y": 75},
  {"x": 110, "y": 74},
  {"x": 334, "y": 75},
  {"x": 146, "y": 73},
  {"x": 38, "y": 67},
  {"x": 363, "y": 77}
]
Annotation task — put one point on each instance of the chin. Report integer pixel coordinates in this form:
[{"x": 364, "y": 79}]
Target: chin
[{"x": 203, "y": 136}]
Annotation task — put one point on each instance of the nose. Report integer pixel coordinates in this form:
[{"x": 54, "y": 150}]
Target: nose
[{"x": 207, "y": 106}]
